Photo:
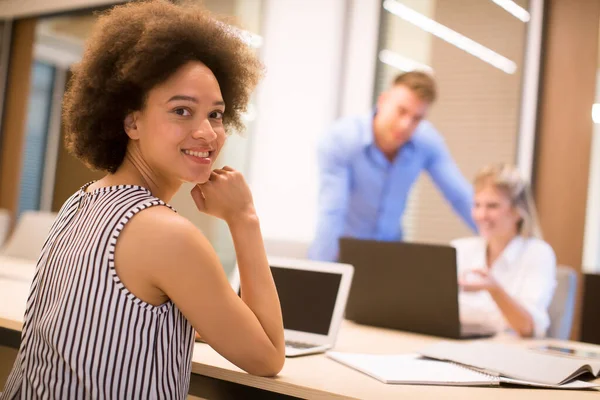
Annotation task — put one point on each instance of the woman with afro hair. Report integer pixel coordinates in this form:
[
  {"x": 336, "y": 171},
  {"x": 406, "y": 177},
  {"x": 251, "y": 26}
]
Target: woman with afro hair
[{"x": 123, "y": 282}]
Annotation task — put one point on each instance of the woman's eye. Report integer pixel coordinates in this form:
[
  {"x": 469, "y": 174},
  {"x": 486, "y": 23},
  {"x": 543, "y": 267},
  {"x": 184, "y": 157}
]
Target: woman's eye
[
  {"x": 216, "y": 114},
  {"x": 182, "y": 112}
]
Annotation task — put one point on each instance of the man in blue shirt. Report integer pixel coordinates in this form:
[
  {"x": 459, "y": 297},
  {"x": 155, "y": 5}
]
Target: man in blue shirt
[{"x": 368, "y": 164}]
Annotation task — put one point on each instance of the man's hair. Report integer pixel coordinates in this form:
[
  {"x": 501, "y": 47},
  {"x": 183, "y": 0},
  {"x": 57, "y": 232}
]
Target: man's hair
[
  {"x": 421, "y": 83},
  {"x": 135, "y": 47}
]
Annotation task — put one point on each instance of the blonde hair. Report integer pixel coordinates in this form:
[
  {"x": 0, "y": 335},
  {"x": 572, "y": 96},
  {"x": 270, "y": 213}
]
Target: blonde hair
[
  {"x": 507, "y": 179},
  {"x": 419, "y": 82}
]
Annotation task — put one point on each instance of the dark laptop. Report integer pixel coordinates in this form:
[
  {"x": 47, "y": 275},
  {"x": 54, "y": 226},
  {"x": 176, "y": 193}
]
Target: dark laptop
[{"x": 406, "y": 286}]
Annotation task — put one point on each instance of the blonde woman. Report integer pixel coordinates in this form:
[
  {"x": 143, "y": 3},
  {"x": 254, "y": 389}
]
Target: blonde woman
[{"x": 507, "y": 274}]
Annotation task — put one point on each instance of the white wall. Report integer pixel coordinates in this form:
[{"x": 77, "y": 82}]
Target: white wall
[
  {"x": 297, "y": 101},
  {"x": 360, "y": 59},
  {"x": 591, "y": 242}
]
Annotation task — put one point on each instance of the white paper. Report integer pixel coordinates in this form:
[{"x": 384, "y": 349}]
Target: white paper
[{"x": 411, "y": 369}]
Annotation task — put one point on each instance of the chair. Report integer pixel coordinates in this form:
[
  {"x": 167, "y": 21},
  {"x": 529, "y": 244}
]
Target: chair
[
  {"x": 590, "y": 323},
  {"x": 4, "y": 225},
  {"x": 562, "y": 307},
  {"x": 29, "y": 235}
]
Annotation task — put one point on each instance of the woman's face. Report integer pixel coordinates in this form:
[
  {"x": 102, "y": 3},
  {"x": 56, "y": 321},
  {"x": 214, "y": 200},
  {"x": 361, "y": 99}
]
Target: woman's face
[
  {"x": 494, "y": 213},
  {"x": 180, "y": 130}
]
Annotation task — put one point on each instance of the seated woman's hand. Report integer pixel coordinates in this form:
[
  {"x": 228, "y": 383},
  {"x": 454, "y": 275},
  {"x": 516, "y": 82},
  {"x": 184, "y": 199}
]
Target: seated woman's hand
[
  {"x": 225, "y": 195},
  {"x": 476, "y": 280}
]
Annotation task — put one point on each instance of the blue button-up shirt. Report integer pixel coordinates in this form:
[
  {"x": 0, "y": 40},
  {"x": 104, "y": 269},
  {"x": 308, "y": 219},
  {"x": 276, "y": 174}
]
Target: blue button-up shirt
[{"x": 363, "y": 195}]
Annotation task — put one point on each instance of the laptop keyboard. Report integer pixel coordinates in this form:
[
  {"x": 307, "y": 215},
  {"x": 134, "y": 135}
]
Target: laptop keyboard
[{"x": 298, "y": 345}]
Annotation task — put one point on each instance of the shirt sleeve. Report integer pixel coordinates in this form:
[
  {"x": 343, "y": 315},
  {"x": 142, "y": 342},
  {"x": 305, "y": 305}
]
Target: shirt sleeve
[
  {"x": 538, "y": 285},
  {"x": 334, "y": 192},
  {"x": 447, "y": 177}
]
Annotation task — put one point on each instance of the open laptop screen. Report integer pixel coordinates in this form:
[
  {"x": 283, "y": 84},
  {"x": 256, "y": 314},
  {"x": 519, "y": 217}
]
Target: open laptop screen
[{"x": 307, "y": 298}]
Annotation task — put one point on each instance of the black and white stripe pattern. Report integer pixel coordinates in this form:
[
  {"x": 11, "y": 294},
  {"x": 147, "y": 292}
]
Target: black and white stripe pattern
[{"x": 85, "y": 336}]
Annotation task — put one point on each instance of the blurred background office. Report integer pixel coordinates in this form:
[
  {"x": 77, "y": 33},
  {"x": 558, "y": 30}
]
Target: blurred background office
[{"x": 517, "y": 83}]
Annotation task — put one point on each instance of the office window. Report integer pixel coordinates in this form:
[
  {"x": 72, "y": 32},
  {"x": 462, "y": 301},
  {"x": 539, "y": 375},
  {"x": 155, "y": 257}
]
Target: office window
[
  {"x": 475, "y": 49},
  {"x": 40, "y": 100}
]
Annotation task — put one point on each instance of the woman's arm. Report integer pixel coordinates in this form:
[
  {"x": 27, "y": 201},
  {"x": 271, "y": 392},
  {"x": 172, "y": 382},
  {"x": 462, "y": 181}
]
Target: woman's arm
[
  {"x": 526, "y": 309},
  {"x": 517, "y": 316},
  {"x": 163, "y": 253},
  {"x": 258, "y": 288}
]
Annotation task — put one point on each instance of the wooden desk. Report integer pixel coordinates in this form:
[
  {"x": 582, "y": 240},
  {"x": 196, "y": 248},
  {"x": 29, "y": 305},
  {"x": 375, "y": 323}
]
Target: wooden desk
[
  {"x": 318, "y": 377},
  {"x": 315, "y": 376}
]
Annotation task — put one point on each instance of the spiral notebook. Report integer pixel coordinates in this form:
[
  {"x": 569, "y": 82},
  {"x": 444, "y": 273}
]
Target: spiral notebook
[
  {"x": 517, "y": 364},
  {"x": 413, "y": 369}
]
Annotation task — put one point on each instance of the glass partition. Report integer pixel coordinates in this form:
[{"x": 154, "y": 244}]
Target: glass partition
[{"x": 476, "y": 51}]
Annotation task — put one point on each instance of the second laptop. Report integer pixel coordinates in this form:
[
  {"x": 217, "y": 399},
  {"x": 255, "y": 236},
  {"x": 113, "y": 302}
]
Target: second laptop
[{"x": 405, "y": 286}]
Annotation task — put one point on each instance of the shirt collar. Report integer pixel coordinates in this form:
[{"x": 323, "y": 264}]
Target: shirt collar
[
  {"x": 510, "y": 254},
  {"x": 513, "y": 250}
]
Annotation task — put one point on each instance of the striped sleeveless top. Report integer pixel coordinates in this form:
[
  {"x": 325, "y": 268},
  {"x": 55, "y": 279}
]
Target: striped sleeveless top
[{"x": 85, "y": 336}]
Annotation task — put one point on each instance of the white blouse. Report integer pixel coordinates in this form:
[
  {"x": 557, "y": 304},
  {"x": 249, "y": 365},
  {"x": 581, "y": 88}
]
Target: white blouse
[{"x": 526, "y": 270}]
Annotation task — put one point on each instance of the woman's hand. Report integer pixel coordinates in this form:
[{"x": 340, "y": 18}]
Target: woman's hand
[
  {"x": 225, "y": 195},
  {"x": 476, "y": 280},
  {"x": 517, "y": 316}
]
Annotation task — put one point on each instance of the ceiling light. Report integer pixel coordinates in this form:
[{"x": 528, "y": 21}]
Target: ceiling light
[
  {"x": 514, "y": 9},
  {"x": 450, "y": 36},
  {"x": 402, "y": 63}
]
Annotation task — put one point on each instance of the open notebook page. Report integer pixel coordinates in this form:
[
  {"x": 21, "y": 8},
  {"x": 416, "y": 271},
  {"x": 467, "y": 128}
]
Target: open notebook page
[
  {"x": 513, "y": 362},
  {"x": 410, "y": 369}
]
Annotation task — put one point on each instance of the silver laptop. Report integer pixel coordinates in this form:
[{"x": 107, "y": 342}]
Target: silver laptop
[{"x": 313, "y": 297}]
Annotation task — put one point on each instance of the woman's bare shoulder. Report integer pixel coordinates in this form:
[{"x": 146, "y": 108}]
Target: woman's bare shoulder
[{"x": 158, "y": 232}]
